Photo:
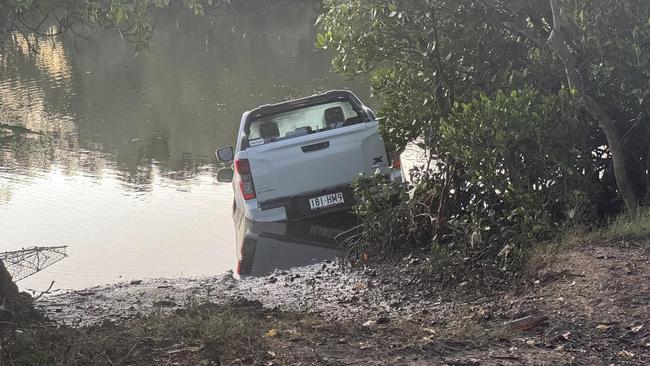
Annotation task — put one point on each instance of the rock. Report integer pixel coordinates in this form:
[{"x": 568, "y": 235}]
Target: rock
[
  {"x": 370, "y": 323},
  {"x": 164, "y": 303},
  {"x": 16, "y": 307},
  {"x": 135, "y": 282}
]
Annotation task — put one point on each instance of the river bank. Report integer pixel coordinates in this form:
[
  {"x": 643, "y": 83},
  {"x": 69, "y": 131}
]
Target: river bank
[{"x": 584, "y": 305}]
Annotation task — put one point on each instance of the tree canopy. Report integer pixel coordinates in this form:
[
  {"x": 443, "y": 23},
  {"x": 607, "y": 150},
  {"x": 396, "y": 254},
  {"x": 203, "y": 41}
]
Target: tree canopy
[
  {"x": 535, "y": 113},
  {"x": 131, "y": 18}
]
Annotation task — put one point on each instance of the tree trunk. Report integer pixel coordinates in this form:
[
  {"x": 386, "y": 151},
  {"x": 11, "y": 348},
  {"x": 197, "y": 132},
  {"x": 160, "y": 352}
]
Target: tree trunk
[
  {"x": 15, "y": 307},
  {"x": 559, "y": 45}
]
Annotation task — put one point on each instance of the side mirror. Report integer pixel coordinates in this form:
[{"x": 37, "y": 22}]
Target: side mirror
[
  {"x": 225, "y": 154},
  {"x": 225, "y": 175}
]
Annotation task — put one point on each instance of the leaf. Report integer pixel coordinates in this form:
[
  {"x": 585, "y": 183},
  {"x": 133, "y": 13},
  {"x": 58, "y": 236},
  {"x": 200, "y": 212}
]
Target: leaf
[
  {"x": 119, "y": 14},
  {"x": 603, "y": 327},
  {"x": 626, "y": 353},
  {"x": 272, "y": 333},
  {"x": 320, "y": 38}
]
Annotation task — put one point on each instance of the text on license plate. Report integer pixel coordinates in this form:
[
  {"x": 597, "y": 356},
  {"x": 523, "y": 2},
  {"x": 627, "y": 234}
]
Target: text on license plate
[{"x": 327, "y": 200}]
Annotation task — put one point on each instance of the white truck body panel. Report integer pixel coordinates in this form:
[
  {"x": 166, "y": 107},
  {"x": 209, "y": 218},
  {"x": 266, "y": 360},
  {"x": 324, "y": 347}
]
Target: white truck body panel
[{"x": 282, "y": 169}]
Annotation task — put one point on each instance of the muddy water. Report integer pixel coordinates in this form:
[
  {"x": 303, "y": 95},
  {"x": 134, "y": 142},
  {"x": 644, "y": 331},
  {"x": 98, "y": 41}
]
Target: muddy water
[{"x": 111, "y": 152}]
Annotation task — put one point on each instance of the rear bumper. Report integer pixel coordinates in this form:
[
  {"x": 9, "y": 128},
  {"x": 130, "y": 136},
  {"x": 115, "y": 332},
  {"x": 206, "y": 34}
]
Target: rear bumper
[{"x": 297, "y": 207}]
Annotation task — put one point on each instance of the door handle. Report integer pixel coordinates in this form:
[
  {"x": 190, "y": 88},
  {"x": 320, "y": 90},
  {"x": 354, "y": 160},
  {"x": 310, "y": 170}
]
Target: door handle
[{"x": 314, "y": 147}]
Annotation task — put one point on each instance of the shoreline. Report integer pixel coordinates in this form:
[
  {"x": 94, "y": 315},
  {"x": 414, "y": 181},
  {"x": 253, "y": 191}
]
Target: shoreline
[{"x": 590, "y": 303}]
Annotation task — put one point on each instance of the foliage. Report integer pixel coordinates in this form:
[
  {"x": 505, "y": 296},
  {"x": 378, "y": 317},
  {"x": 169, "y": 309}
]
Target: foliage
[
  {"x": 51, "y": 17},
  {"x": 388, "y": 214},
  {"x": 515, "y": 153},
  {"x": 201, "y": 334},
  {"x": 526, "y": 180},
  {"x": 519, "y": 167}
]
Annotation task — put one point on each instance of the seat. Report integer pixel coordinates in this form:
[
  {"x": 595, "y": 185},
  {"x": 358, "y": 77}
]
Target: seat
[
  {"x": 334, "y": 117},
  {"x": 352, "y": 121}
]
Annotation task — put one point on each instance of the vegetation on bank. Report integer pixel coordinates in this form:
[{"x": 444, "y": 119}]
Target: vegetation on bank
[
  {"x": 199, "y": 334},
  {"x": 534, "y": 116}
]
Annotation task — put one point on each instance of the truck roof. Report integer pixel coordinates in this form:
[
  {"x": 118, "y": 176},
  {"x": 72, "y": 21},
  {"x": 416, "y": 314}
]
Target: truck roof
[{"x": 329, "y": 96}]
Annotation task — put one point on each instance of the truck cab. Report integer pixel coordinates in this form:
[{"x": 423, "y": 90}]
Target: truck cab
[{"x": 297, "y": 159}]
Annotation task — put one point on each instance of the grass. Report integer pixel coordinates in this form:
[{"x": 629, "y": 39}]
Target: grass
[
  {"x": 202, "y": 334},
  {"x": 628, "y": 226}
]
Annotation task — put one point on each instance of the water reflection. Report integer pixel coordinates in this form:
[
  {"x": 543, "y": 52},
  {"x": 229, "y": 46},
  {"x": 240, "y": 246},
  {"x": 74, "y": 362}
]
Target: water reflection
[
  {"x": 263, "y": 247},
  {"x": 111, "y": 152},
  {"x": 167, "y": 107}
]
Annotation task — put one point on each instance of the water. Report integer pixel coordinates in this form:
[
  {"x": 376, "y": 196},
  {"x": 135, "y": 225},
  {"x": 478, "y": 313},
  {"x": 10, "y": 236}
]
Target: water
[{"x": 112, "y": 152}]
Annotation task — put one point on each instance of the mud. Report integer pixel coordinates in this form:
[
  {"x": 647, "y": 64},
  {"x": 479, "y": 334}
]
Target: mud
[{"x": 593, "y": 299}]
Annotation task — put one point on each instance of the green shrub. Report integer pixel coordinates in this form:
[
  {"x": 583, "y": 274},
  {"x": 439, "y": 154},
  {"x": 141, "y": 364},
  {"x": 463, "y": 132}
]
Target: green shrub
[
  {"x": 387, "y": 215},
  {"x": 514, "y": 172}
]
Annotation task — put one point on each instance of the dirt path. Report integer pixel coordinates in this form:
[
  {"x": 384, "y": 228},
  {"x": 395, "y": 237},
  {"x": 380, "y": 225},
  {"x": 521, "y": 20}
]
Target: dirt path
[{"x": 590, "y": 306}]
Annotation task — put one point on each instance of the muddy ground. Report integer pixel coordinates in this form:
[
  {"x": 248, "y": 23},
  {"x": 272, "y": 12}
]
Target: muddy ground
[{"x": 588, "y": 306}]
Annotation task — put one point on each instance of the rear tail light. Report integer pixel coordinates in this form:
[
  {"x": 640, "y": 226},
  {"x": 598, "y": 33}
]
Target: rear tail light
[
  {"x": 246, "y": 185},
  {"x": 396, "y": 163}
]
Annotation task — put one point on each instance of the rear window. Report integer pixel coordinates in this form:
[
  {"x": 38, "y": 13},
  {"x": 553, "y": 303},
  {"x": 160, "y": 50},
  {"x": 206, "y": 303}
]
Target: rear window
[{"x": 302, "y": 121}]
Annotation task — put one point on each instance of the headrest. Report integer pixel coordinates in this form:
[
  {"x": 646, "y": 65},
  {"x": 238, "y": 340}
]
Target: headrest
[
  {"x": 334, "y": 115},
  {"x": 269, "y": 130}
]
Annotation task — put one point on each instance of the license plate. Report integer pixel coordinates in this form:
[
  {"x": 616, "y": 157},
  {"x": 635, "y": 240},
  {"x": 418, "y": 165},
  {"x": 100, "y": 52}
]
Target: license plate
[{"x": 325, "y": 201}]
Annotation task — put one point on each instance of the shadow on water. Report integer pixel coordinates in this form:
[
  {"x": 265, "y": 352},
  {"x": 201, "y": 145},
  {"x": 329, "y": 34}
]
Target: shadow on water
[{"x": 263, "y": 247}]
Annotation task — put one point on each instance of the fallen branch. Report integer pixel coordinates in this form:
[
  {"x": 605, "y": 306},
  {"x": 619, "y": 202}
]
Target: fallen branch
[
  {"x": 44, "y": 292},
  {"x": 527, "y": 322}
]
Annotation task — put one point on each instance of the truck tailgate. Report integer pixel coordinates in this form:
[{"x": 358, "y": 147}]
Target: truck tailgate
[{"x": 317, "y": 161}]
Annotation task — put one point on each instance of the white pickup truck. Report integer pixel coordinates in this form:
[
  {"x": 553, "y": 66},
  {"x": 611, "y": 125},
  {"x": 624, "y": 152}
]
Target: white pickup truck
[{"x": 298, "y": 158}]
